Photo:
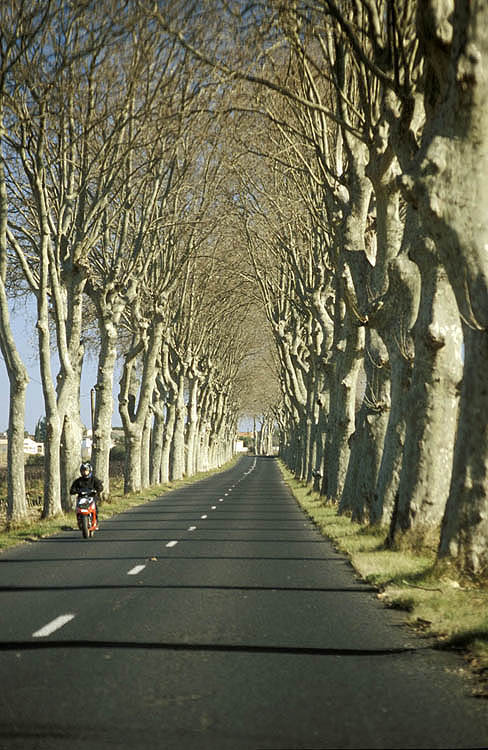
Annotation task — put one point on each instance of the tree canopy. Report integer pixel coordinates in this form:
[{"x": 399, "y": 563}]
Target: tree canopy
[{"x": 272, "y": 210}]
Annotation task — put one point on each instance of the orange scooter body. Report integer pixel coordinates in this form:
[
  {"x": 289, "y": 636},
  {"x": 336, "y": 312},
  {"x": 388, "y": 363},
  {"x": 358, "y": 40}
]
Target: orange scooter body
[{"x": 86, "y": 514}]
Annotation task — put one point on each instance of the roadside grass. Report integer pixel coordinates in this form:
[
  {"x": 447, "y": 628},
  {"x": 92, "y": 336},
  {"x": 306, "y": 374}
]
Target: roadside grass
[
  {"x": 35, "y": 528},
  {"x": 437, "y": 601}
]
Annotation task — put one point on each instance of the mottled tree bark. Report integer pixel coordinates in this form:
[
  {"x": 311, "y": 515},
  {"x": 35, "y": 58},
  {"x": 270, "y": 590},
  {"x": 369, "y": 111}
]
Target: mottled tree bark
[
  {"x": 168, "y": 436},
  {"x": 16, "y": 371},
  {"x": 347, "y": 354},
  {"x": 192, "y": 423},
  {"x": 432, "y": 409},
  {"x": 177, "y": 454},
  {"x": 159, "y": 408},
  {"x": 110, "y": 304},
  {"x": 395, "y": 284},
  {"x": 368, "y": 439},
  {"x": 133, "y": 410},
  {"x": 450, "y": 187}
]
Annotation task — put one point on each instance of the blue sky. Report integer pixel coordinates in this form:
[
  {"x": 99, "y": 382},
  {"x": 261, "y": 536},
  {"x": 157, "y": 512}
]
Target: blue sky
[
  {"x": 23, "y": 325},
  {"x": 25, "y": 337}
]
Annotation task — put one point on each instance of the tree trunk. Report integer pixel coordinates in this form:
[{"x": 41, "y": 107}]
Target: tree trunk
[
  {"x": 146, "y": 451},
  {"x": 133, "y": 407},
  {"x": 396, "y": 284},
  {"x": 52, "y": 468},
  {"x": 17, "y": 374},
  {"x": 133, "y": 451},
  {"x": 465, "y": 524},
  {"x": 17, "y": 507},
  {"x": 392, "y": 456},
  {"x": 368, "y": 440},
  {"x": 71, "y": 435},
  {"x": 450, "y": 187},
  {"x": 104, "y": 402},
  {"x": 192, "y": 425},
  {"x": 203, "y": 455},
  {"x": 432, "y": 407},
  {"x": 156, "y": 447},
  {"x": 348, "y": 353},
  {"x": 168, "y": 437},
  {"x": 177, "y": 455},
  {"x": 157, "y": 437}
]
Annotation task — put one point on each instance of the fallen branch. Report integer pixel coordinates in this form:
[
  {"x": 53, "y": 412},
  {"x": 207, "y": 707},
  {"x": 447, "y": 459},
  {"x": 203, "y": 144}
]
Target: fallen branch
[{"x": 424, "y": 588}]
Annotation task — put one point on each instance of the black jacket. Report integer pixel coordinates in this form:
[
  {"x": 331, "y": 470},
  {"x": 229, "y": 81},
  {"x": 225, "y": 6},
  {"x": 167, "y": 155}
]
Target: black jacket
[{"x": 86, "y": 483}]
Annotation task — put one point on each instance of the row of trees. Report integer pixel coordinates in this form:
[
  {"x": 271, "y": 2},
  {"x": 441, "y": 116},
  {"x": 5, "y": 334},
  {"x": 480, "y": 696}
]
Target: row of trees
[
  {"x": 363, "y": 197},
  {"x": 388, "y": 276},
  {"x": 112, "y": 199},
  {"x": 165, "y": 164}
]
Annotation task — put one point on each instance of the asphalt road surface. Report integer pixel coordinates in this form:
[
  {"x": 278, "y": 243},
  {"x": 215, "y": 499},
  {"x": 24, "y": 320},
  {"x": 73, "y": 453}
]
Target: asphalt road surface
[{"x": 215, "y": 618}]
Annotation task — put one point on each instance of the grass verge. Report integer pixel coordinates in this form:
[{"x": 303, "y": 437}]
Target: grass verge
[
  {"x": 436, "y": 601},
  {"x": 34, "y": 528}
]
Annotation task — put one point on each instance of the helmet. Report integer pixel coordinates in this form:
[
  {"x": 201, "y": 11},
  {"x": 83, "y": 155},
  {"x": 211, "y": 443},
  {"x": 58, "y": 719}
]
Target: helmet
[{"x": 86, "y": 466}]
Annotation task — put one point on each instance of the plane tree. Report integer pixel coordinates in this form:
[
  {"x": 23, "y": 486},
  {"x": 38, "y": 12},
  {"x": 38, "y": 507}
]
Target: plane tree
[
  {"x": 376, "y": 71},
  {"x": 388, "y": 306},
  {"x": 295, "y": 203},
  {"x": 206, "y": 344},
  {"x": 139, "y": 224},
  {"x": 292, "y": 327},
  {"x": 306, "y": 87},
  {"x": 426, "y": 355},
  {"x": 353, "y": 136},
  {"x": 447, "y": 184},
  {"x": 73, "y": 125},
  {"x": 22, "y": 29},
  {"x": 146, "y": 322}
]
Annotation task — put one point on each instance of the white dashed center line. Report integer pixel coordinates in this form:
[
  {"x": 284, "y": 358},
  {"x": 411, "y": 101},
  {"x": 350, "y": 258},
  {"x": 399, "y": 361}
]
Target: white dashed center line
[
  {"x": 52, "y": 626},
  {"x": 203, "y": 516},
  {"x": 134, "y": 571},
  {"x": 172, "y": 544},
  {"x": 192, "y": 528}
]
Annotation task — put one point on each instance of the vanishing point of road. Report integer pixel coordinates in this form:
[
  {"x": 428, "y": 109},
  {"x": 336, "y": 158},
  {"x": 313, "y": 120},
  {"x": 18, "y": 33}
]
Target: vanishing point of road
[{"x": 215, "y": 618}]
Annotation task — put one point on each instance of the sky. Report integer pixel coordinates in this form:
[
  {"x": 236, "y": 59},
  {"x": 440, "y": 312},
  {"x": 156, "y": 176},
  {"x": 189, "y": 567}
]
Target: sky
[
  {"x": 23, "y": 325},
  {"x": 25, "y": 334}
]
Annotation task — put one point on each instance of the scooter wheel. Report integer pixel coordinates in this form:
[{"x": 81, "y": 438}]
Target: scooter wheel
[{"x": 84, "y": 527}]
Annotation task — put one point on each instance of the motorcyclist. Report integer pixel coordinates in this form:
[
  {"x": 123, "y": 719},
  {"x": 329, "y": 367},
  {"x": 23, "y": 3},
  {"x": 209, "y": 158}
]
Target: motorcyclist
[{"x": 87, "y": 481}]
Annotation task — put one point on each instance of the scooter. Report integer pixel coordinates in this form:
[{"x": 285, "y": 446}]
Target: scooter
[{"x": 86, "y": 513}]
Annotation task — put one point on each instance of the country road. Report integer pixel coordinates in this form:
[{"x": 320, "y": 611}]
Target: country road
[{"x": 215, "y": 618}]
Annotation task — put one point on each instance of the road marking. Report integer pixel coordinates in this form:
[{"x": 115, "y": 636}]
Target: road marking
[
  {"x": 214, "y": 507},
  {"x": 221, "y": 499},
  {"x": 134, "y": 571},
  {"x": 52, "y": 626},
  {"x": 192, "y": 528},
  {"x": 172, "y": 544},
  {"x": 203, "y": 516}
]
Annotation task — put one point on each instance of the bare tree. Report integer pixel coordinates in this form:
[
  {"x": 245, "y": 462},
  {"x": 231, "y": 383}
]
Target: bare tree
[
  {"x": 20, "y": 29},
  {"x": 448, "y": 184},
  {"x": 61, "y": 180},
  {"x": 134, "y": 226}
]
